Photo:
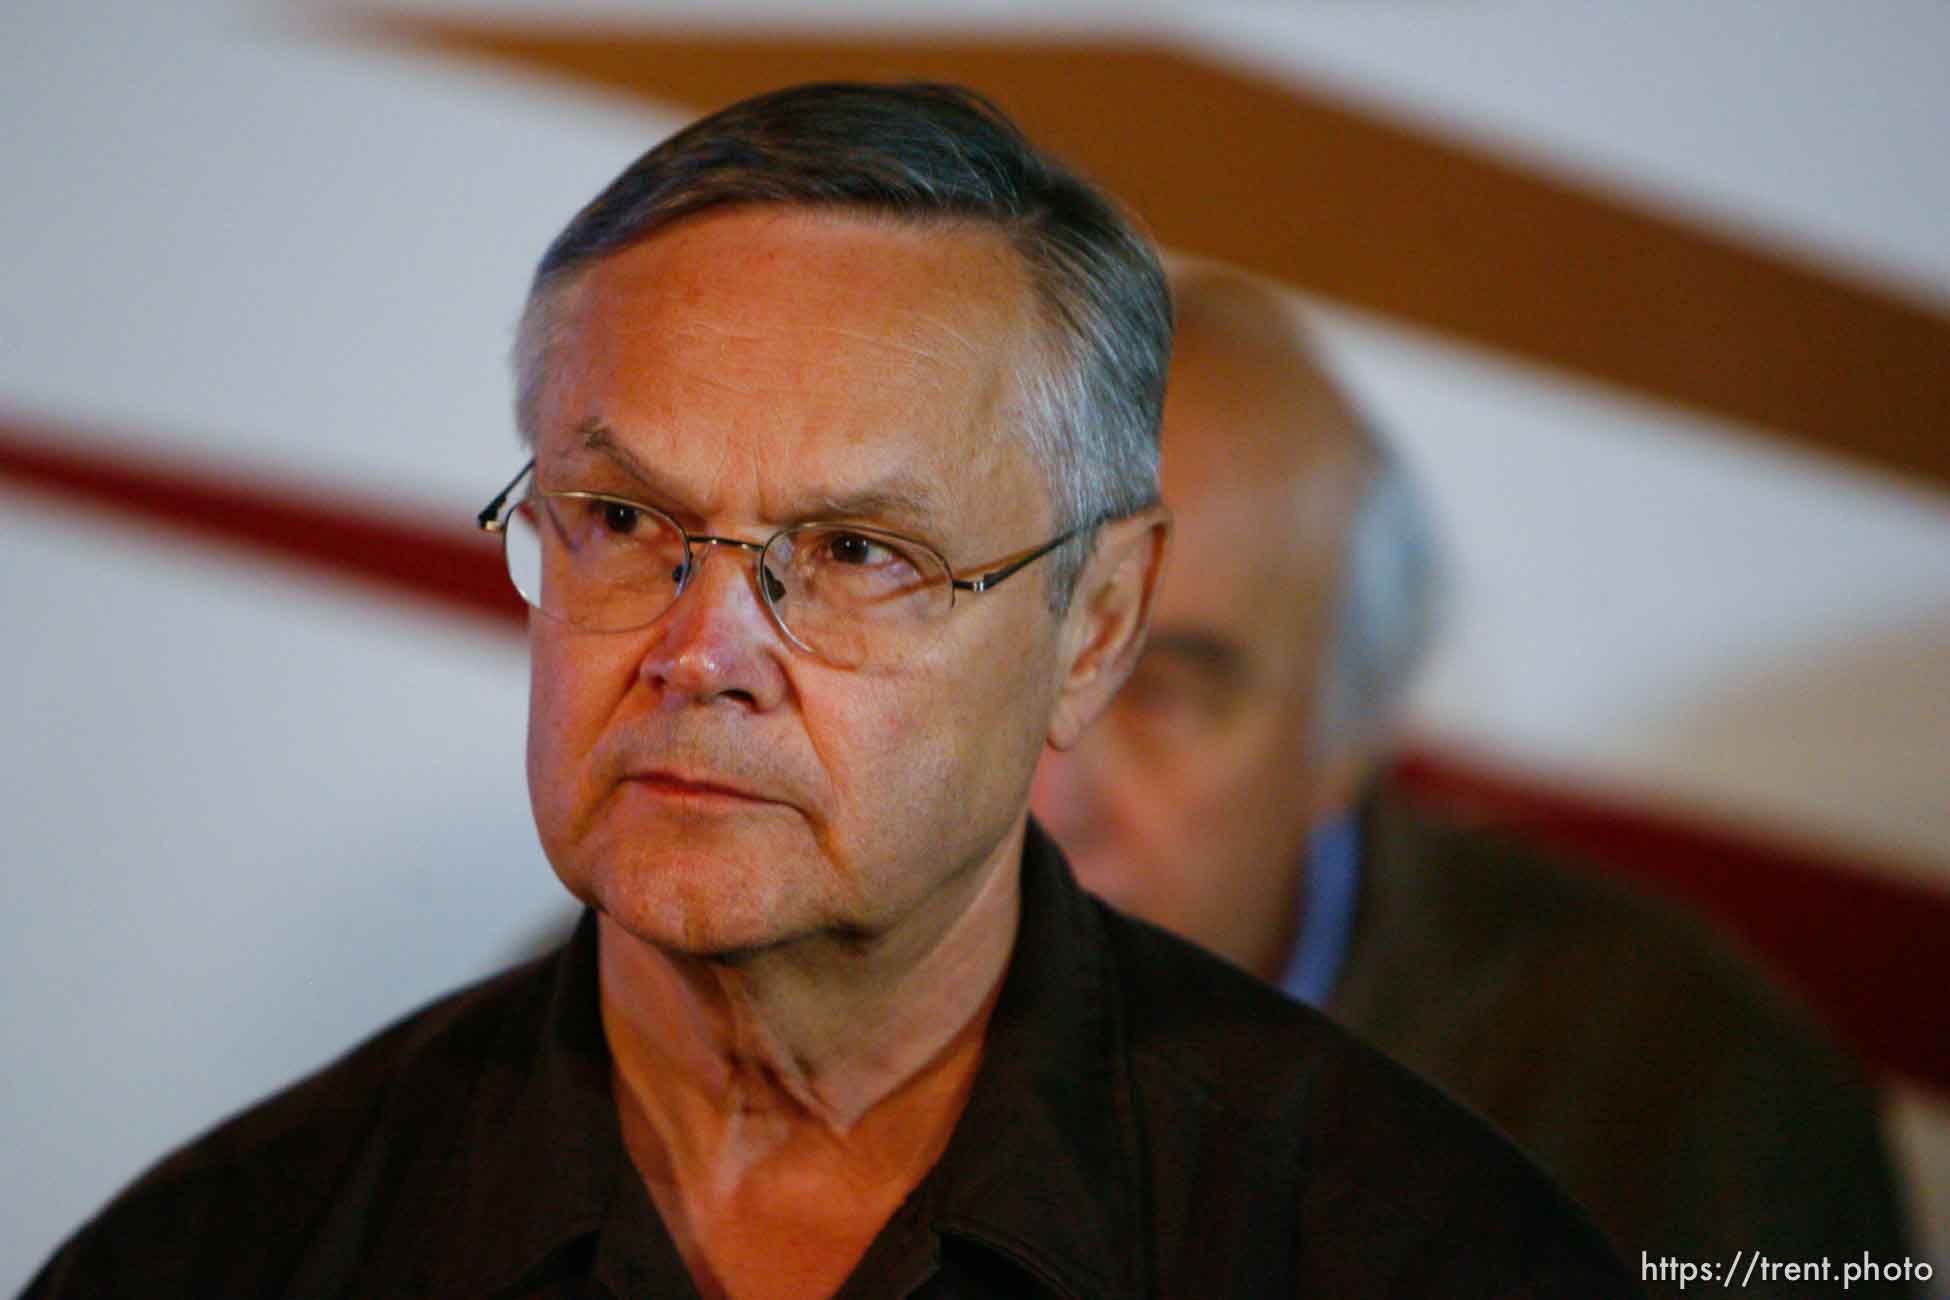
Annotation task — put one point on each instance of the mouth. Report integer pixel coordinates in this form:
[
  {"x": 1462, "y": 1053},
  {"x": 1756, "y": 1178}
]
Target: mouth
[{"x": 689, "y": 789}]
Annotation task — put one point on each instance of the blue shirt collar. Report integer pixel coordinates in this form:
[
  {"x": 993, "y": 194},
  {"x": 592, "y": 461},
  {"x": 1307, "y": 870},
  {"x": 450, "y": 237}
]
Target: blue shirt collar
[{"x": 1328, "y": 898}]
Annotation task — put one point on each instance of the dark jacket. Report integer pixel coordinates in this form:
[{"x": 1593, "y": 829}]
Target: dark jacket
[{"x": 1698, "y": 1111}]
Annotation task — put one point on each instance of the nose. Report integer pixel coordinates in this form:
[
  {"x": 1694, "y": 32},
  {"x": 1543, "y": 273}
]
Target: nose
[{"x": 717, "y": 642}]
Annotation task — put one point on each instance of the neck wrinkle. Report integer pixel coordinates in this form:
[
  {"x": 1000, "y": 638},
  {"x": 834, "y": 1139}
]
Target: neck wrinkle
[{"x": 848, "y": 1054}]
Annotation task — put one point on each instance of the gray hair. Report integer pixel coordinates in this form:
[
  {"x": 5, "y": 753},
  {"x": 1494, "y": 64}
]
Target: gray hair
[
  {"x": 924, "y": 152},
  {"x": 1391, "y": 593}
]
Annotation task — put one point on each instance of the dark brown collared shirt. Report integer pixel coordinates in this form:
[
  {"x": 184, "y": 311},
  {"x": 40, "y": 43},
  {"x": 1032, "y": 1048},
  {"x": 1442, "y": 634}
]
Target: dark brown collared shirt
[{"x": 1147, "y": 1121}]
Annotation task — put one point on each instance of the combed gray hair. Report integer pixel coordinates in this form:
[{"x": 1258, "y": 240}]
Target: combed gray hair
[
  {"x": 924, "y": 152},
  {"x": 1391, "y": 593}
]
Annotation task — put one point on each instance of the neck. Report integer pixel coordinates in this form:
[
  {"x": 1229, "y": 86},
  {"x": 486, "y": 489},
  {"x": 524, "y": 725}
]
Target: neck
[{"x": 851, "y": 1053}]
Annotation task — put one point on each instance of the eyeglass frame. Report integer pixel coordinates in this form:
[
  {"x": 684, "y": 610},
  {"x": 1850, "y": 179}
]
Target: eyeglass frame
[{"x": 490, "y": 519}]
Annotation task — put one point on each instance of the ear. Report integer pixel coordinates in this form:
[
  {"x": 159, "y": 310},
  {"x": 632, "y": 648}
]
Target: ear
[{"x": 1103, "y": 630}]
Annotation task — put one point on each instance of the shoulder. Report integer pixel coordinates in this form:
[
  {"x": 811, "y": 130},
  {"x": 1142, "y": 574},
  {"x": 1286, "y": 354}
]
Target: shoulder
[
  {"x": 232, "y": 1211},
  {"x": 1463, "y": 925},
  {"x": 1573, "y": 1009},
  {"x": 1237, "y": 1054},
  {"x": 1271, "y": 1128}
]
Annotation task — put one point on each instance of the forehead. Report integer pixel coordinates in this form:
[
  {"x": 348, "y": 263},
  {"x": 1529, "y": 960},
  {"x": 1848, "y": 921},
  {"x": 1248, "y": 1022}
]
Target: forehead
[
  {"x": 1259, "y": 495},
  {"x": 796, "y": 352}
]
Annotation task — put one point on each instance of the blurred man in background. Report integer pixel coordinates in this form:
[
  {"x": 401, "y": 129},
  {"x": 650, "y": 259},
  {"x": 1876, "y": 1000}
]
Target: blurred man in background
[{"x": 1230, "y": 793}]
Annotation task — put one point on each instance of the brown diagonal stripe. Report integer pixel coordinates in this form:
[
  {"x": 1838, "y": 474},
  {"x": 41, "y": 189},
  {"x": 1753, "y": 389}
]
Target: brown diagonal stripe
[{"x": 1373, "y": 214}]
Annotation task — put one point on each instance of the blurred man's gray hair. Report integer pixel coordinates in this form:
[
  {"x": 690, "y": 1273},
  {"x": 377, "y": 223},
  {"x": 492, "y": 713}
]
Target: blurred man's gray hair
[{"x": 1391, "y": 593}]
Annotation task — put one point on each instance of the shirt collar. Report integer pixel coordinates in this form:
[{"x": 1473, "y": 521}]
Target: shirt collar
[
  {"x": 1043, "y": 1165},
  {"x": 544, "y": 1159},
  {"x": 1332, "y": 886}
]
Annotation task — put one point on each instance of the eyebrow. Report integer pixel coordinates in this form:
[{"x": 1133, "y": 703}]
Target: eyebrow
[
  {"x": 1209, "y": 656},
  {"x": 596, "y": 436},
  {"x": 898, "y": 497}
]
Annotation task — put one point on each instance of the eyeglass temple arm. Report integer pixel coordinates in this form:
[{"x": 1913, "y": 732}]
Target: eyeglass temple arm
[
  {"x": 982, "y": 582},
  {"x": 489, "y": 519}
]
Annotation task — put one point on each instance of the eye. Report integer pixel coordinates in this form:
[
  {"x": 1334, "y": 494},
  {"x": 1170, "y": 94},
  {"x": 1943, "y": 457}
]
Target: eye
[
  {"x": 854, "y": 549},
  {"x": 619, "y": 518},
  {"x": 1157, "y": 688},
  {"x": 837, "y": 561},
  {"x": 1169, "y": 695}
]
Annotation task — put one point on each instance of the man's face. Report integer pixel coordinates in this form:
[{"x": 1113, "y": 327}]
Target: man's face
[
  {"x": 711, "y": 787},
  {"x": 1189, "y": 801}
]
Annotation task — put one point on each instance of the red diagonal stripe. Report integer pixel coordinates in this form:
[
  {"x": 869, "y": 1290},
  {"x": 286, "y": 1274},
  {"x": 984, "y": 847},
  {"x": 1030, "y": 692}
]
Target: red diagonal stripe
[
  {"x": 453, "y": 567},
  {"x": 1870, "y": 952}
]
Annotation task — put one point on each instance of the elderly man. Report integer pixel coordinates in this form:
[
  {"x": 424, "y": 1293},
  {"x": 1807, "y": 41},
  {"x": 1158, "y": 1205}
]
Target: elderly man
[
  {"x": 1227, "y": 794},
  {"x": 842, "y": 505}
]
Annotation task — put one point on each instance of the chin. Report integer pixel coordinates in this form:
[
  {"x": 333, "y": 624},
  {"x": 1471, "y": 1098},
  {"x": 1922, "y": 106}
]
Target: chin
[
  {"x": 697, "y": 904},
  {"x": 702, "y": 884}
]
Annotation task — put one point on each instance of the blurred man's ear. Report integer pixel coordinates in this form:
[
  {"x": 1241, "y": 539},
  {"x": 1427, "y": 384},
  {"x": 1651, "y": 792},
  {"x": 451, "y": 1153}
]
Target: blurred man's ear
[{"x": 1104, "y": 627}]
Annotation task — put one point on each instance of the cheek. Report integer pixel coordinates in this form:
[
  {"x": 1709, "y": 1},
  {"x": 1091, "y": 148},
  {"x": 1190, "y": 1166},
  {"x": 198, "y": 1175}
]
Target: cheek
[
  {"x": 881, "y": 741},
  {"x": 571, "y": 692},
  {"x": 1191, "y": 801},
  {"x": 547, "y": 761},
  {"x": 1002, "y": 711},
  {"x": 1265, "y": 798},
  {"x": 1218, "y": 827},
  {"x": 1229, "y": 784},
  {"x": 947, "y": 741}
]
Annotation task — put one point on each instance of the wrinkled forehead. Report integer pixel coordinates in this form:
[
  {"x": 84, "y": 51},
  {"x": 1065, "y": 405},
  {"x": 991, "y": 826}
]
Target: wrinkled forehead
[{"x": 814, "y": 353}]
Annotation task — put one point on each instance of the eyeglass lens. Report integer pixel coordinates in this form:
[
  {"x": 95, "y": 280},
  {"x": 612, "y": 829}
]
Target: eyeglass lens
[{"x": 848, "y": 594}]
